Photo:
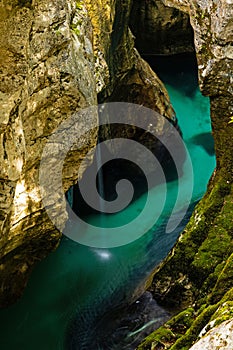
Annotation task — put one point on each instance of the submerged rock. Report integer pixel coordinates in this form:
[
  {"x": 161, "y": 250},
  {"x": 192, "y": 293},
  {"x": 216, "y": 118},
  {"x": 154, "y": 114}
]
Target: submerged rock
[{"x": 122, "y": 327}]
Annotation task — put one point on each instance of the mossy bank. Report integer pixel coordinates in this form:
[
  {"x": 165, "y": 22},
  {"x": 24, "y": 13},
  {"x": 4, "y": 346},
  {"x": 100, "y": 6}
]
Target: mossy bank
[{"x": 197, "y": 275}]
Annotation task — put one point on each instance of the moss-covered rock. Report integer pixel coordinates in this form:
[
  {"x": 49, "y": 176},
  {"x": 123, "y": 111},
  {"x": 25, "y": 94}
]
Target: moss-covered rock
[
  {"x": 165, "y": 336},
  {"x": 182, "y": 330},
  {"x": 198, "y": 271}
]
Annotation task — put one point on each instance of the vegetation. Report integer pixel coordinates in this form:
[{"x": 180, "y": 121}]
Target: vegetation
[
  {"x": 79, "y": 5},
  {"x": 198, "y": 272},
  {"x": 76, "y": 23},
  {"x": 75, "y": 29}
]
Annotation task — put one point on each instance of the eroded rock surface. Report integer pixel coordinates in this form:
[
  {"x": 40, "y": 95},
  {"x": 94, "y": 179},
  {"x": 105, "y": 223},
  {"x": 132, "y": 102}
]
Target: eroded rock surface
[
  {"x": 160, "y": 29},
  {"x": 220, "y": 337},
  {"x": 46, "y": 75},
  {"x": 198, "y": 271},
  {"x": 56, "y": 56}
]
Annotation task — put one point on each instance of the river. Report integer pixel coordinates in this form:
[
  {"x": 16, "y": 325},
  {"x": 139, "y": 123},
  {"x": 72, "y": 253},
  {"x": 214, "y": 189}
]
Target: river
[{"x": 76, "y": 298}]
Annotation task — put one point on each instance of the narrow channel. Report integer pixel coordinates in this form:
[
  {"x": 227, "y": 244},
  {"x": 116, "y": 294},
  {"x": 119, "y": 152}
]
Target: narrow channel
[{"x": 79, "y": 297}]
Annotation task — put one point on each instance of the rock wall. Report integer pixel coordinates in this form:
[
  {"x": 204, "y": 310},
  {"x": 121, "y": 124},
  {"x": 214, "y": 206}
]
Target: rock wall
[
  {"x": 121, "y": 74},
  {"x": 198, "y": 271},
  {"x": 40, "y": 86},
  {"x": 126, "y": 77},
  {"x": 159, "y": 29},
  {"x": 56, "y": 57}
]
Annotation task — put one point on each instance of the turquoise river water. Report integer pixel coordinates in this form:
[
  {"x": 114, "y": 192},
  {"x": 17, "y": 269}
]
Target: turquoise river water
[{"x": 72, "y": 294}]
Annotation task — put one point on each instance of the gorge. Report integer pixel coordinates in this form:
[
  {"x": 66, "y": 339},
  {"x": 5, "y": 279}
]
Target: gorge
[
  {"x": 49, "y": 45},
  {"x": 76, "y": 285}
]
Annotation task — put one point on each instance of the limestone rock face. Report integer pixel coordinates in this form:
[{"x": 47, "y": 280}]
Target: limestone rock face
[
  {"x": 46, "y": 76},
  {"x": 160, "y": 29},
  {"x": 213, "y": 28},
  {"x": 56, "y": 58},
  {"x": 220, "y": 337},
  {"x": 121, "y": 74},
  {"x": 126, "y": 77}
]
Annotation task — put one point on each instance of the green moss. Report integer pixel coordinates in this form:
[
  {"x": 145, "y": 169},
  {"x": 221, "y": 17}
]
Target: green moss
[
  {"x": 166, "y": 335},
  {"x": 208, "y": 286},
  {"x": 75, "y": 30},
  {"x": 182, "y": 330},
  {"x": 182, "y": 321},
  {"x": 186, "y": 341},
  {"x": 79, "y": 5},
  {"x": 228, "y": 296},
  {"x": 161, "y": 337},
  {"x": 224, "y": 313},
  {"x": 224, "y": 281},
  {"x": 225, "y": 219},
  {"x": 211, "y": 253},
  {"x": 77, "y": 21},
  {"x": 75, "y": 26}
]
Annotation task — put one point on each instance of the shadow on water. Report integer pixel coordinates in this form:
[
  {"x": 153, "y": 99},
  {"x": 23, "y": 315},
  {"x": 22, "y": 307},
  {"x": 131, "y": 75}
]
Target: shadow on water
[
  {"x": 117, "y": 169},
  {"x": 204, "y": 140},
  {"x": 180, "y": 71},
  {"x": 119, "y": 321}
]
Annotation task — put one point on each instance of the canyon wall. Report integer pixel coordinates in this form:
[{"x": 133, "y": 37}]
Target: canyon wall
[
  {"x": 40, "y": 86},
  {"x": 57, "y": 57},
  {"x": 197, "y": 275},
  {"x": 160, "y": 29}
]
